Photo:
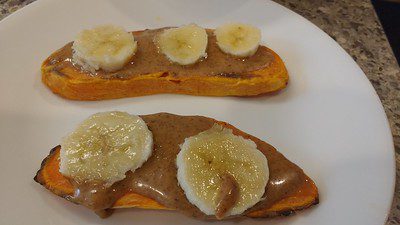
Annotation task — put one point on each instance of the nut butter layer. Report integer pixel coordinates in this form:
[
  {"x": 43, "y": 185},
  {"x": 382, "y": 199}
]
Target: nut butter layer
[
  {"x": 150, "y": 72},
  {"x": 155, "y": 186}
]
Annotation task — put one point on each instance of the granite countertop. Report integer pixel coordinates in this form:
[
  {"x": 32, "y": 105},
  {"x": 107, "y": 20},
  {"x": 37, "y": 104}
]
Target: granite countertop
[{"x": 355, "y": 26}]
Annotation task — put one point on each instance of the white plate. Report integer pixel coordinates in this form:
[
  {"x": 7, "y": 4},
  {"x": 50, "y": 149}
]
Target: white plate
[{"x": 329, "y": 120}]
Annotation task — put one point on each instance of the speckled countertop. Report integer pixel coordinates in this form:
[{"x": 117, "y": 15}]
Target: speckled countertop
[{"x": 354, "y": 25}]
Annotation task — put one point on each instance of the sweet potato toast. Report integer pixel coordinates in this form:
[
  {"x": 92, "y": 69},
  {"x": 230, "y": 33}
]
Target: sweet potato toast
[
  {"x": 304, "y": 196},
  {"x": 69, "y": 81}
]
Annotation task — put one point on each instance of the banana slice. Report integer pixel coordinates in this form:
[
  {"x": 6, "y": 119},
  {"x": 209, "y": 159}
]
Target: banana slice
[
  {"x": 184, "y": 45},
  {"x": 221, "y": 172},
  {"x": 104, "y": 47},
  {"x": 104, "y": 147},
  {"x": 238, "y": 39}
]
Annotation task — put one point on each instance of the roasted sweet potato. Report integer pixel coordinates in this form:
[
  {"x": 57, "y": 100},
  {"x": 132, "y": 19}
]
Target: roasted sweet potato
[
  {"x": 50, "y": 177},
  {"x": 68, "y": 81}
]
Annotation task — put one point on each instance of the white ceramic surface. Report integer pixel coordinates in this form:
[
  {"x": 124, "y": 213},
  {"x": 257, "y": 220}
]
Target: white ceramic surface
[{"x": 329, "y": 120}]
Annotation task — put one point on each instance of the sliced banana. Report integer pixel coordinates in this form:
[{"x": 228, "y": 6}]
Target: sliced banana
[
  {"x": 183, "y": 45},
  {"x": 238, "y": 39},
  {"x": 215, "y": 158},
  {"x": 104, "y": 147},
  {"x": 104, "y": 47}
]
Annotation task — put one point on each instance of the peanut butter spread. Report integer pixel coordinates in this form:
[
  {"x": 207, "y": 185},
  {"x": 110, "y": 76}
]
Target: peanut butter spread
[
  {"x": 157, "y": 179},
  {"x": 148, "y": 60}
]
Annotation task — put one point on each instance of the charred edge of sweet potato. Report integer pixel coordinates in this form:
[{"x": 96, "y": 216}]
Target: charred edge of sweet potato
[
  {"x": 295, "y": 210},
  {"x": 39, "y": 177}
]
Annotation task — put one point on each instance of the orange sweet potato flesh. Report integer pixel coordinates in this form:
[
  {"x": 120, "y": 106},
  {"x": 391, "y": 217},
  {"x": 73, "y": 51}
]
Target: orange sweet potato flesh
[
  {"x": 79, "y": 85},
  {"x": 50, "y": 177}
]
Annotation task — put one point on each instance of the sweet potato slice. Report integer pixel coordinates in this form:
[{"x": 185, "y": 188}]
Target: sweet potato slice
[
  {"x": 50, "y": 177},
  {"x": 69, "y": 82}
]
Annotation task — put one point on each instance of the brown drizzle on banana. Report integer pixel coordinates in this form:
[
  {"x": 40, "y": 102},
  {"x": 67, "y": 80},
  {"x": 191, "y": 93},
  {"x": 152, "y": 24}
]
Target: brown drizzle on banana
[{"x": 228, "y": 195}]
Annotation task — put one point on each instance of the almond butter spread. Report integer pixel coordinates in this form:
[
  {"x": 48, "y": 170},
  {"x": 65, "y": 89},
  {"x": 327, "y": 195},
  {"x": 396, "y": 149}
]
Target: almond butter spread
[
  {"x": 148, "y": 60},
  {"x": 157, "y": 179}
]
